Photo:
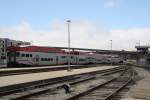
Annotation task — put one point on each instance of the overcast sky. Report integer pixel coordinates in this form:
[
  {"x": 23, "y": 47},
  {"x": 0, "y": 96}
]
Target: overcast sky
[{"x": 93, "y": 22}]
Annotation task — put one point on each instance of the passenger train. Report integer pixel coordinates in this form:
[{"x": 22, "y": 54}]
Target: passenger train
[{"x": 36, "y": 55}]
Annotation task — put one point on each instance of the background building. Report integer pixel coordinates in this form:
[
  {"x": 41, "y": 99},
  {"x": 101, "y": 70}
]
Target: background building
[{"x": 6, "y": 42}]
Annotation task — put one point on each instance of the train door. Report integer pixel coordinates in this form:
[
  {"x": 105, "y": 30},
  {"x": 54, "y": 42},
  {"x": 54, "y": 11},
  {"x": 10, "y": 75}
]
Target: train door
[
  {"x": 11, "y": 58},
  {"x": 56, "y": 59},
  {"x": 37, "y": 58},
  {"x": 76, "y": 59}
]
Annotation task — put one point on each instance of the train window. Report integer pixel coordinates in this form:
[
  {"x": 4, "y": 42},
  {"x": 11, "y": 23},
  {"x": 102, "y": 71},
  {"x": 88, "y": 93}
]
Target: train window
[
  {"x": 19, "y": 43},
  {"x": 51, "y": 59},
  {"x": 81, "y": 60},
  {"x": 11, "y": 43},
  {"x": 17, "y": 54},
  {"x": 23, "y": 55},
  {"x": 42, "y": 59},
  {"x": 48, "y": 59},
  {"x": 2, "y": 50},
  {"x": 45, "y": 59},
  {"x": 63, "y": 56},
  {"x": 3, "y": 57},
  {"x": 30, "y": 55},
  {"x": 27, "y": 55}
]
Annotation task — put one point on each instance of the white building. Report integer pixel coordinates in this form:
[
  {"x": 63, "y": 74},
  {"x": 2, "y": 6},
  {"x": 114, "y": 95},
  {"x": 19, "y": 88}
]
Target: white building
[{"x": 6, "y": 42}]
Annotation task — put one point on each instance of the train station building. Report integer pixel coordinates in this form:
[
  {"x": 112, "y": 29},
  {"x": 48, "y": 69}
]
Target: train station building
[{"x": 6, "y": 42}]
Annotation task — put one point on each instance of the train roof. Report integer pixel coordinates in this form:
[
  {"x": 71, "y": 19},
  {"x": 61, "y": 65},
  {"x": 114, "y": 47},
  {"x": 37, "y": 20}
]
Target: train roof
[
  {"x": 42, "y": 49},
  {"x": 78, "y": 53},
  {"x": 35, "y": 49}
]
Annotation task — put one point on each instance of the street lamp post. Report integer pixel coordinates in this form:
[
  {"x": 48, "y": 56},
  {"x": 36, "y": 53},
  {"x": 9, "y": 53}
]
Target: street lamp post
[
  {"x": 68, "y": 22},
  {"x": 111, "y": 50}
]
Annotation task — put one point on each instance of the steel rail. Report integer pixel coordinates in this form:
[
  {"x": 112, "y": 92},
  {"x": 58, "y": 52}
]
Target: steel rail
[
  {"x": 3, "y": 93},
  {"x": 77, "y": 96},
  {"x": 47, "y": 89},
  {"x": 90, "y": 90},
  {"x": 48, "y": 82},
  {"x": 107, "y": 72},
  {"x": 109, "y": 97}
]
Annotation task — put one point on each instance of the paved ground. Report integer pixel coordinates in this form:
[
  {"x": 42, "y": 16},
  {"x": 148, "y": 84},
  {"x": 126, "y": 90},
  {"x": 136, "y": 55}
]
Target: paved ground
[{"x": 141, "y": 90}]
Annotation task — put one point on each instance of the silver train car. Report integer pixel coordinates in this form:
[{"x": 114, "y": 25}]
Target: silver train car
[{"x": 38, "y": 56}]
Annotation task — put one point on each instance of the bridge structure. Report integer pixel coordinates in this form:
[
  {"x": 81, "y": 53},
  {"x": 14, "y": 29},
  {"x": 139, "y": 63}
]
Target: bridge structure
[{"x": 122, "y": 53}]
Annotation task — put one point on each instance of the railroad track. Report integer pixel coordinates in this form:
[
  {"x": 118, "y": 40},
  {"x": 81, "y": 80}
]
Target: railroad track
[
  {"x": 109, "y": 90},
  {"x": 27, "y": 92},
  {"x": 59, "y": 93}
]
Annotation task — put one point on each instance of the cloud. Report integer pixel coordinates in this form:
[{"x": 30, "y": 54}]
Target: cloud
[
  {"x": 111, "y": 3},
  {"x": 128, "y": 38},
  {"x": 84, "y": 34}
]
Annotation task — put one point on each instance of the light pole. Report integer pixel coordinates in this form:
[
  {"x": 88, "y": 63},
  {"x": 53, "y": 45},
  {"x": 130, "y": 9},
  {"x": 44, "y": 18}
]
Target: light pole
[
  {"x": 111, "y": 50},
  {"x": 68, "y": 22}
]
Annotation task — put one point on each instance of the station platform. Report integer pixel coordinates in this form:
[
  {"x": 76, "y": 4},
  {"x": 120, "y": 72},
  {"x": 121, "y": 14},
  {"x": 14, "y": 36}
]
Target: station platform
[
  {"x": 27, "y": 70},
  {"x": 6, "y": 81}
]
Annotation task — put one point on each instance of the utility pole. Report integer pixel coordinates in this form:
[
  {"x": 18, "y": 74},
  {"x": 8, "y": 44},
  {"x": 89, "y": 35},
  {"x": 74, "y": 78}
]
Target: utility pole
[
  {"x": 68, "y": 22},
  {"x": 111, "y": 50}
]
